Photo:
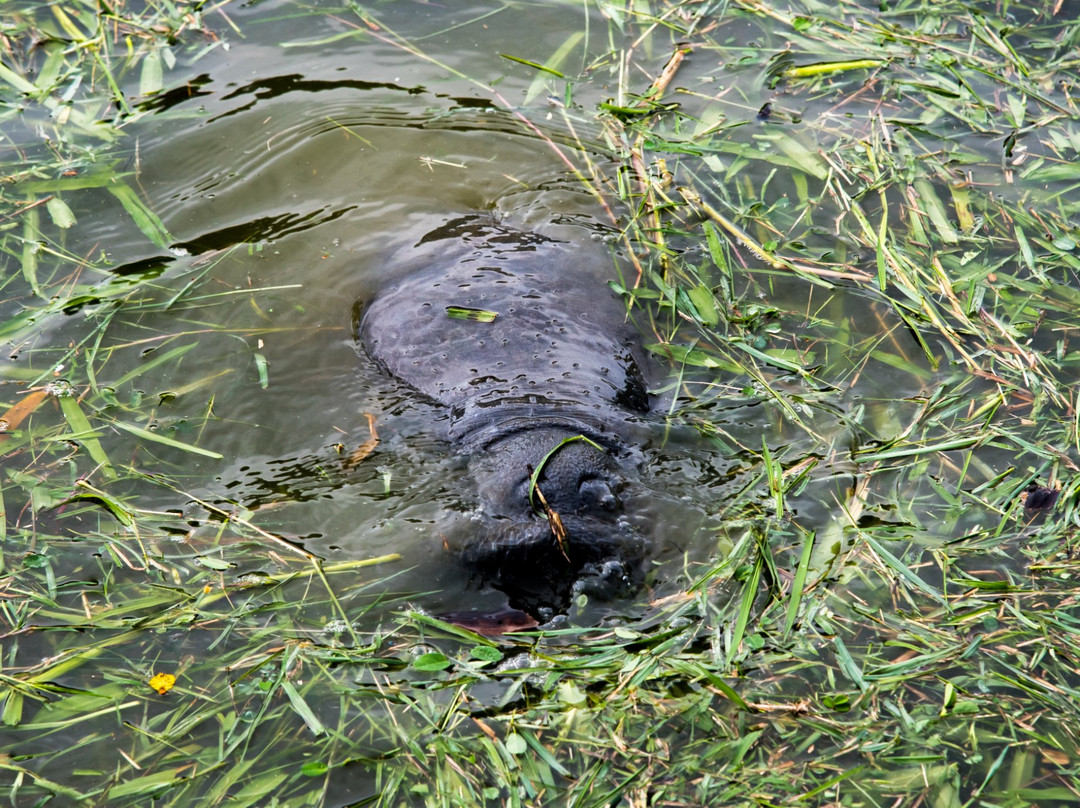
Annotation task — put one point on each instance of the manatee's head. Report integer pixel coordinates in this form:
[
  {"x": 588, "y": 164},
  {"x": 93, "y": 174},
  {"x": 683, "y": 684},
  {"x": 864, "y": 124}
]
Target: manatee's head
[{"x": 547, "y": 535}]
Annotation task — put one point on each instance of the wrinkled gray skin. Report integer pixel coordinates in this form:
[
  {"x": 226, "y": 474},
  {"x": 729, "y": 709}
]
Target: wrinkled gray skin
[{"x": 558, "y": 361}]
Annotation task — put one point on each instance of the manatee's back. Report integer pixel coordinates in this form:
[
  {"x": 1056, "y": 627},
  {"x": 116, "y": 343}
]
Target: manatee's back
[{"x": 559, "y": 349}]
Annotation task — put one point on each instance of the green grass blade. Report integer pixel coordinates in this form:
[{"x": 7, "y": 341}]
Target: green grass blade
[
  {"x": 746, "y": 605},
  {"x": 144, "y": 218},
  {"x": 901, "y": 569},
  {"x": 798, "y": 583},
  {"x": 146, "y": 434},
  {"x": 80, "y": 427},
  {"x": 303, "y": 709}
]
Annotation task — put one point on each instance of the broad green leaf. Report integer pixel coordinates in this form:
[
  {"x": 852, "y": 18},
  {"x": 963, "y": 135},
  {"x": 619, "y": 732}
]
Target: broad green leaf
[
  {"x": 431, "y": 662},
  {"x": 705, "y": 304},
  {"x": 515, "y": 744},
  {"x": 314, "y": 768},
  {"x": 150, "y": 79},
  {"x": 486, "y": 653},
  {"x": 60, "y": 213}
]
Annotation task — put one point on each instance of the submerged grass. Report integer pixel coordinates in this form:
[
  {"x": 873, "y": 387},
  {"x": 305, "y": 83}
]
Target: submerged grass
[{"x": 820, "y": 231}]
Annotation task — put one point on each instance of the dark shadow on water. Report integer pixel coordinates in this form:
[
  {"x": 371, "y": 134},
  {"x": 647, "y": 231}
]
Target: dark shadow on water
[
  {"x": 178, "y": 95},
  {"x": 267, "y": 228},
  {"x": 276, "y": 86}
]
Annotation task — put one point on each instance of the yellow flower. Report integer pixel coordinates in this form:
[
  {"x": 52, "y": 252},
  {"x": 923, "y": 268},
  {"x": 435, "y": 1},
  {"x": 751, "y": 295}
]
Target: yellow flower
[{"x": 162, "y": 682}]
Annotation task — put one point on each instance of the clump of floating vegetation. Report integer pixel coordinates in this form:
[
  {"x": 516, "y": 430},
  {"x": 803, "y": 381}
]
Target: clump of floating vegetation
[{"x": 861, "y": 220}]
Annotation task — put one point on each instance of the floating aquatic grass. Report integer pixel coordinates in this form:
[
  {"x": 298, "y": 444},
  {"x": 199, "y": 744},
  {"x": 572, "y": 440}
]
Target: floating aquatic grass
[{"x": 817, "y": 229}]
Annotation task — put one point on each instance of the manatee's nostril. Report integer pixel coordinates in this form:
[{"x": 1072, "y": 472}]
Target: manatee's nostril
[
  {"x": 614, "y": 572},
  {"x": 597, "y": 492}
]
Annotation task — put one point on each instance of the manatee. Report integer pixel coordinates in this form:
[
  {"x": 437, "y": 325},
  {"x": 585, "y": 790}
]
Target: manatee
[{"x": 519, "y": 337}]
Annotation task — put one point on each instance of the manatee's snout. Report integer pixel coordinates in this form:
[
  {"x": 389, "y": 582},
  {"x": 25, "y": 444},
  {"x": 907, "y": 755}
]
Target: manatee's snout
[
  {"x": 547, "y": 470},
  {"x": 540, "y": 569}
]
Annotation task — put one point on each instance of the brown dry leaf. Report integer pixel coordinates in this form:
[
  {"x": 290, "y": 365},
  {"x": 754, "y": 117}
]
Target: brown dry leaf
[
  {"x": 555, "y": 521},
  {"x": 1055, "y": 756},
  {"x": 17, "y": 414},
  {"x": 486, "y": 729},
  {"x": 365, "y": 448},
  {"x": 491, "y": 624}
]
